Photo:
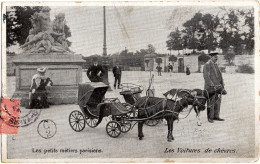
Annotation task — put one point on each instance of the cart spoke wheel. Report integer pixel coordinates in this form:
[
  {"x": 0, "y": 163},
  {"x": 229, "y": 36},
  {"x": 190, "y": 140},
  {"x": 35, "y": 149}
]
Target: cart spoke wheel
[
  {"x": 77, "y": 121},
  {"x": 125, "y": 126},
  {"x": 113, "y": 129},
  {"x": 151, "y": 122},
  {"x": 91, "y": 122}
]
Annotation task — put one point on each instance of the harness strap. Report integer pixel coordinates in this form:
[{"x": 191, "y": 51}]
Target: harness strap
[
  {"x": 164, "y": 104},
  {"x": 145, "y": 109}
]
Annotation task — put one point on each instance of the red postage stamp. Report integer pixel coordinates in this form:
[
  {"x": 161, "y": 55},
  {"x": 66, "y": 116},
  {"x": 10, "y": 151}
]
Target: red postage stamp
[{"x": 10, "y": 110}]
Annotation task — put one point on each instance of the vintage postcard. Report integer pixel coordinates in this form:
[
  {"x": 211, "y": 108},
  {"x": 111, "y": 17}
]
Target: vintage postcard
[{"x": 128, "y": 81}]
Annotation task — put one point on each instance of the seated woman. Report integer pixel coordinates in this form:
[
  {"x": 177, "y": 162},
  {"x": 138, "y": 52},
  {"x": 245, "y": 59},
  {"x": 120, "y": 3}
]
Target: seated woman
[{"x": 38, "y": 94}]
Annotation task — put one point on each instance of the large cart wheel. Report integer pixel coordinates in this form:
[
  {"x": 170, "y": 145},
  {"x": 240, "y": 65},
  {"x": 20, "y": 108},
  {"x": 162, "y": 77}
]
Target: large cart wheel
[
  {"x": 77, "y": 121},
  {"x": 151, "y": 122},
  {"x": 91, "y": 122},
  {"x": 125, "y": 126},
  {"x": 113, "y": 129}
]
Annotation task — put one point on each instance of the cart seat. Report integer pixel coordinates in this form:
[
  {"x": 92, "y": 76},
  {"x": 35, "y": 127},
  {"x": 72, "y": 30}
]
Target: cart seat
[{"x": 118, "y": 109}]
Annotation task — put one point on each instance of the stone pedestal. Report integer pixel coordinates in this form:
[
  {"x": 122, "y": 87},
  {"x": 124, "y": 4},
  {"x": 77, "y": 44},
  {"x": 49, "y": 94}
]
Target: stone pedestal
[{"x": 65, "y": 70}]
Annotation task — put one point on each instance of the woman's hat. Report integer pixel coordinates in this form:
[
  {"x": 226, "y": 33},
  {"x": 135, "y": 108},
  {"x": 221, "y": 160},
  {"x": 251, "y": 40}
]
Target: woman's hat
[{"x": 42, "y": 69}]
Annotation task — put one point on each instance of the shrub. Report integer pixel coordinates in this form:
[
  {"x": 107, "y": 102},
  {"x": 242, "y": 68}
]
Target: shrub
[
  {"x": 229, "y": 57},
  {"x": 172, "y": 58},
  {"x": 245, "y": 68},
  {"x": 158, "y": 61}
]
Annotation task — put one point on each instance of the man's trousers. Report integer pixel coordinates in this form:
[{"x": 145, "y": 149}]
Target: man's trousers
[
  {"x": 117, "y": 80},
  {"x": 213, "y": 107}
]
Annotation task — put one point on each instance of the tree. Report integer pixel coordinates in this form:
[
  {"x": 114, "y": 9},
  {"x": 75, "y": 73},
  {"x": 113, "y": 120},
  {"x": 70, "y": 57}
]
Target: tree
[
  {"x": 172, "y": 58},
  {"x": 175, "y": 41},
  {"x": 232, "y": 20},
  {"x": 158, "y": 61},
  {"x": 225, "y": 40},
  {"x": 229, "y": 57},
  {"x": 90, "y": 59},
  {"x": 151, "y": 49},
  {"x": 127, "y": 58},
  {"x": 237, "y": 43},
  {"x": 208, "y": 32},
  {"x": 190, "y": 29},
  {"x": 230, "y": 35},
  {"x": 10, "y": 36},
  {"x": 19, "y": 24},
  {"x": 249, "y": 36}
]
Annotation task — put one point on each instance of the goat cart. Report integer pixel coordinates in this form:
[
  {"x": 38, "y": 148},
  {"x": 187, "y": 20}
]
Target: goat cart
[{"x": 94, "y": 107}]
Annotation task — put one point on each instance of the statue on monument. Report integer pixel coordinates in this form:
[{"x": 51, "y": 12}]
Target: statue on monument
[{"x": 44, "y": 36}]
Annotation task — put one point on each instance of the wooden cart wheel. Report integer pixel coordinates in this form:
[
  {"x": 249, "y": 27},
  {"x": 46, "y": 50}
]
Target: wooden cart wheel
[
  {"x": 91, "y": 122},
  {"x": 125, "y": 126},
  {"x": 113, "y": 129},
  {"x": 77, "y": 121},
  {"x": 151, "y": 122}
]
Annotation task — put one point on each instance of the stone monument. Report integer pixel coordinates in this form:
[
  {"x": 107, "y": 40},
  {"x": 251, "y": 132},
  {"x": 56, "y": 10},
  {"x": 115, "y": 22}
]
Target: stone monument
[{"x": 47, "y": 46}]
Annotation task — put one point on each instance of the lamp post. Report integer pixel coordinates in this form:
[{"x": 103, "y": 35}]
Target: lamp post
[
  {"x": 183, "y": 58},
  {"x": 105, "y": 58},
  {"x": 104, "y": 42}
]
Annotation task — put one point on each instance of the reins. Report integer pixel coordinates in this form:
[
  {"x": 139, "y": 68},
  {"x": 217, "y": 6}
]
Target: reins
[{"x": 209, "y": 106}]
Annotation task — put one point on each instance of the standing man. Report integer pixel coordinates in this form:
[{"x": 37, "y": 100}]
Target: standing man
[
  {"x": 188, "y": 70},
  {"x": 95, "y": 72},
  {"x": 213, "y": 77},
  {"x": 169, "y": 67},
  {"x": 159, "y": 69},
  {"x": 117, "y": 74}
]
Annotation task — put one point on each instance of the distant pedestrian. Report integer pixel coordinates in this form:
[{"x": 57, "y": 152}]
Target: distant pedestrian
[
  {"x": 187, "y": 70},
  {"x": 117, "y": 74},
  {"x": 159, "y": 69},
  {"x": 170, "y": 68},
  {"x": 95, "y": 72}
]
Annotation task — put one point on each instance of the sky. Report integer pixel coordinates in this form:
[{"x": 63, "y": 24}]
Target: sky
[{"x": 130, "y": 27}]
